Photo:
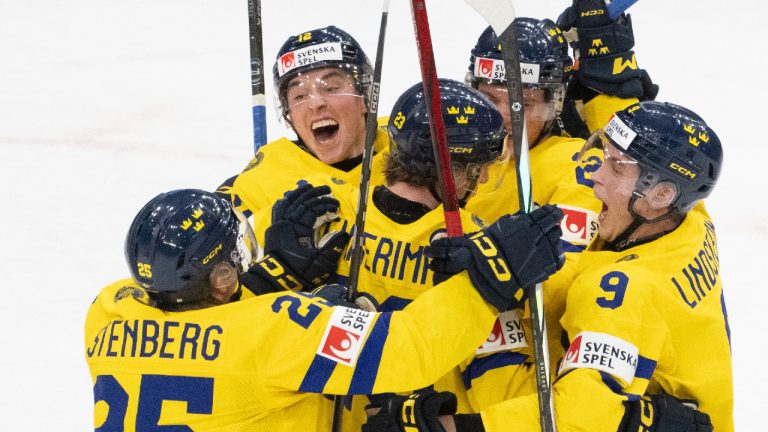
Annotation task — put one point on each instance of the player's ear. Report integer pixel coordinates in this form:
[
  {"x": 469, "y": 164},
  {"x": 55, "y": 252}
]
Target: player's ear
[
  {"x": 223, "y": 281},
  {"x": 661, "y": 195}
]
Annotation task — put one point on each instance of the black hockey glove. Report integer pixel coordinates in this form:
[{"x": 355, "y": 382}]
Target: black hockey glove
[
  {"x": 664, "y": 413},
  {"x": 417, "y": 412},
  {"x": 606, "y": 62},
  {"x": 294, "y": 258},
  {"x": 513, "y": 253},
  {"x": 338, "y": 295}
]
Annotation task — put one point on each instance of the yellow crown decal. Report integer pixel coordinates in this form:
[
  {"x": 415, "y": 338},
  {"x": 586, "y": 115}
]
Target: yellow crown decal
[
  {"x": 462, "y": 120},
  {"x": 453, "y": 110},
  {"x": 693, "y": 141},
  {"x": 704, "y": 137},
  {"x": 199, "y": 225},
  {"x": 469, "y": 110},
  {"x": 597, "y": 42},
  {"x": 689, "y": 128},
  {"x": 186, "y": 224},
  {"x": 197, "y": 213}
]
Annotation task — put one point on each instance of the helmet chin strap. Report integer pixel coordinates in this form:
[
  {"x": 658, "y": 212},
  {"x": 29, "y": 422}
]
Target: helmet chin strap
[{"x": 622, "y": 241}]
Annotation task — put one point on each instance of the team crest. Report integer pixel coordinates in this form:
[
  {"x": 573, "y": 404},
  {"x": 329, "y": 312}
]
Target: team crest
[
  {"x": 128, "y": 291},
  {"x": 255, "y": 161}
]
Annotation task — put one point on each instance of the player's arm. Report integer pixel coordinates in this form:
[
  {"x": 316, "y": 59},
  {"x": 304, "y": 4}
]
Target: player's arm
[{"x": 359, "y": 352}]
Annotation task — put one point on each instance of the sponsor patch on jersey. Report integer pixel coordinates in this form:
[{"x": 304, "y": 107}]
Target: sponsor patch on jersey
[
  {"x": 619, "y": 132},
  {"x": 603, "y": 352},
  {"x": 579, "y": 225},
  {"x": 494, "y": 69},
  {"x": 507, "y": 334},
  {"x": 309, "y": 55},
  {"x": 345, "y": 334}
]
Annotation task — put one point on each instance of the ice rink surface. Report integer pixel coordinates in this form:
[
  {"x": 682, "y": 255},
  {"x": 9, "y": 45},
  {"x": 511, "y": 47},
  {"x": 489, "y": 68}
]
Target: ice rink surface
[{"x": 104, "y": 104}]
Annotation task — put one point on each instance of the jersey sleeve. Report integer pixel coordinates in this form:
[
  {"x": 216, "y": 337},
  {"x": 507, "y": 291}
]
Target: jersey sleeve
[
  {"x": 599, "y": 110},
  {"x": 348, "y": 351}
]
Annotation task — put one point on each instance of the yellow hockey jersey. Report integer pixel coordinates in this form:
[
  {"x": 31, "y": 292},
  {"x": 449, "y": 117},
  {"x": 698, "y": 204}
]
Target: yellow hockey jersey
[
  {"x": 648, "y": 319},
  {"x": 282, "y": 165},
  {"x": 260, "y": 364}
]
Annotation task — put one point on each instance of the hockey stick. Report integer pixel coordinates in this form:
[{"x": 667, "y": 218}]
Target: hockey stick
[
  {"x": 500, "y": 14},
  {"x": 617, "y": 7},
  {"x": 258, "y": 100},
  {"x": 435, "y": 115},
  {"x": 371, "y": 127}
]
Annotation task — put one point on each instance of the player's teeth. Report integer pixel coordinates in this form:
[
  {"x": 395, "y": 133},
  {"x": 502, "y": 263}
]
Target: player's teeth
[{"x": 323, "y": 123}]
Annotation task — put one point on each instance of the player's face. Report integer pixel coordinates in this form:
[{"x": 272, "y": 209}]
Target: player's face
[
  {"x": 327, "y": 113},
  {"x": 538, "y": 111},
  {"x": 615, "y": 182}
]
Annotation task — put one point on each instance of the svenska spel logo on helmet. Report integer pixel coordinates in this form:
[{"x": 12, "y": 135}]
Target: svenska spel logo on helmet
[
  {"x": 619, "y": 132},
  {"x": 494, "y": 69},
  {"x": 309, "y": 55}
]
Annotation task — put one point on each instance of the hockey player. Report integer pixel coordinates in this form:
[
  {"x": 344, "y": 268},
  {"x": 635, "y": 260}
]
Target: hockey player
[
  {"x": 645, "y": 314},
  {"x": 170, "y": 348},
  {"x": 558, "y": 176},
  {"x": 405, "y": 214},
  {"x": 322, "y": 79},
  {"x": 546, "y": 69}
]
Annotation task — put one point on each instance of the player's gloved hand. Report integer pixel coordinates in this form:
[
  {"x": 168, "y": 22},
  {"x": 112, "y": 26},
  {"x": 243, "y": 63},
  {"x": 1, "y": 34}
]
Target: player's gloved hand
[
  {"x": 605, "y": 60},
  {"x": 295, "y": 258},
  {"x": 417, "y": 412},
  {"x": 338, "y": 295},
  {"x": 664, "y": 413},
  {"x": 515, "y": 252}
]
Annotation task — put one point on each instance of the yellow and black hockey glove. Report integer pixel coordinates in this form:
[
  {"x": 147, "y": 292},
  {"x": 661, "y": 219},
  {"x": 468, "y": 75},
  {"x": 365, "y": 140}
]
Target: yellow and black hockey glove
[
  {"x": 664, "y": 413},
  {"x": 416, "y": 412},
  {"x": 296, "y": 258},
  {"x": 515, "y": 252}
]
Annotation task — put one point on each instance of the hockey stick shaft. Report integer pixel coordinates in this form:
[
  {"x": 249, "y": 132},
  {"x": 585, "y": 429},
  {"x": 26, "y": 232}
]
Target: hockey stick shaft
[
  {"x": 617, "y": 7},
  {"x": 500, "y": 15},
  {"x": 371, "y": 127},
  {"x": 435, "y": 113},
  {"x": 258, "y": 99}
]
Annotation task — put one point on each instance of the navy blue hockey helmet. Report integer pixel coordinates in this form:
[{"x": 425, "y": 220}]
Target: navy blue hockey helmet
[
  {"x": 178, "y": 237},
  {"x": 543, "y": 55},
  {"x": 324, "y": 47},
  {"x": 670, "y": 144},
  {"x": 474, "y": 128}
]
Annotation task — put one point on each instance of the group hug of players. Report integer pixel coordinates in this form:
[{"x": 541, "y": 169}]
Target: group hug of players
[{"x": 237, "y": 317}]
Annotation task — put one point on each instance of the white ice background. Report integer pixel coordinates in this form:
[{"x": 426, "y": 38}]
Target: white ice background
[{"x": 106, "y": 103}]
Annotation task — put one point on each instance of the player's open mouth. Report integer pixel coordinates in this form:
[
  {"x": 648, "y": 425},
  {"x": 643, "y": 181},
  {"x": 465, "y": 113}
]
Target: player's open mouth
[
  {"x": 325, "y": 129},
  {"x": 601, "y": 216}
]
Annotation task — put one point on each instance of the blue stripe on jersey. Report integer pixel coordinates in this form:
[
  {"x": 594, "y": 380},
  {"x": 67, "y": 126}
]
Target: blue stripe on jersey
[
  {"x": 368, "y": 363},
  {"x": 317, "y": 375},
  {"x": 570, "y": 247},
  {"x": 725, "y": 318},
  {"x": 479, "y": 366},
  {"x": 645, "y": 367},
  {"x": 394, "y": 303},
  {"x": 615, "y": 387}
]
